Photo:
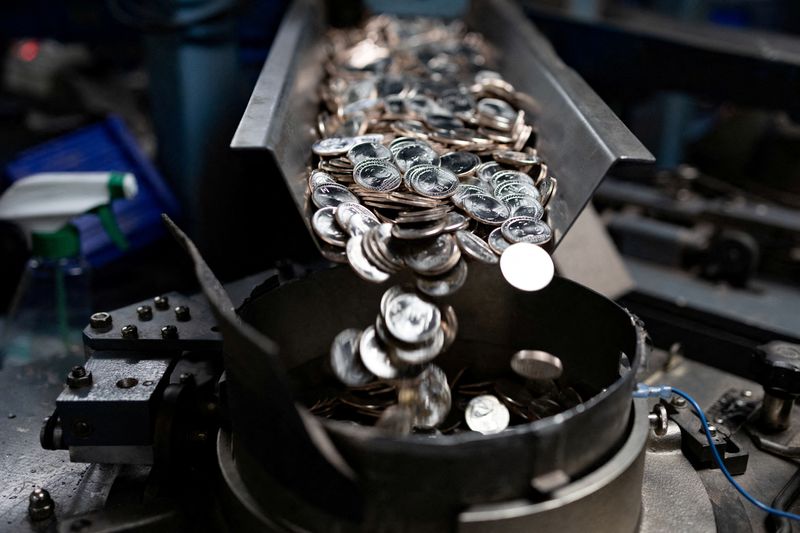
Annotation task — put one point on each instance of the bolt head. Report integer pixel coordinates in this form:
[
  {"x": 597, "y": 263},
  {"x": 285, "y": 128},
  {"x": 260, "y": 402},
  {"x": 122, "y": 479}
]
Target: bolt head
[
  {"x": 678, "y": 401},
  {"x": 144, "y": 312},
  {"x": 100, "y": 321},
  {"x": 182, "y": 313},
  {"x": 40, "y": 504},
  {"x": 130, "y": 331},
  {"x": 747, "y": 393},
  {"x": 169, "y": 332},
  {"x": 79, "y": 377},
  {"x": 161, "y": 303}
]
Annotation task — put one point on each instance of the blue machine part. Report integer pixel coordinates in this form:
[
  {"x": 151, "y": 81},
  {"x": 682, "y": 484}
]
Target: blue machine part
[
  {"x": 106, "y": 146},
  {"x": 426, "y": 8}
]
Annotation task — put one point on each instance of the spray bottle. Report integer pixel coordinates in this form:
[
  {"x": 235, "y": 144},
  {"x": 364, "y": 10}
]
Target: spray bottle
[{"x": 53, "y": 299}]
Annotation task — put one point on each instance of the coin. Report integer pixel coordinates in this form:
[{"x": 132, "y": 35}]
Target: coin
[
  {"x": 536, "y": 364},
  {"x": 475, "y": 247},
  {"x": 449, "y": 326},
  {"x": 345, "y": 360},
  {"x": 526, "y": 266},
  {"x": 325, "y": 226},
  {"x": 522, "y": 205},
  {"x": 526, "y": 229},
  {"x": 332, "y": 146},
  {"x": 318, "y": 178},
  {"x": 410, "y": 318},
  {"x": 397, "y": 419},
  {"x": 417, "y": 231},
  {"x": 360, "y": 264},
  {"x": 432, "y": 181},
  {"x": 377, "y": 175},
  {"x": 444, "y": 284},
  {"x": 497, "y": 242},
  {"x": 330, "y": 195},
  {"x": 459, "y": 163},
  {"x": 485, "y": 171},
  {"x": 374, "y": 355},
  {"x": 485, "y": 414},
  {"x": 419, "y": 353},
  {"x": 547, "y": 189},
  {"x": 455, "y": 222},
  {"x": 368, "y": 150},
  {"x": 434, "y": 398},
  {"x": 415, "y": 154},
  {"x": 354, "y": 218},
  {"x": 514, "y": 158},
  {"x": 485, "y": 208},
  {"x": 516, "y": 187},
  {"x": 433, "y": 257}
]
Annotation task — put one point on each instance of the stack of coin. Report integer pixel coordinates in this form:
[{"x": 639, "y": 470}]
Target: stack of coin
[{"x": 428, "y": 141}]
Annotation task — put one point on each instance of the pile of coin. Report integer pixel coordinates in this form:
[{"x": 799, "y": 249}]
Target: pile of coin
[{"x": 425, "y": 156}]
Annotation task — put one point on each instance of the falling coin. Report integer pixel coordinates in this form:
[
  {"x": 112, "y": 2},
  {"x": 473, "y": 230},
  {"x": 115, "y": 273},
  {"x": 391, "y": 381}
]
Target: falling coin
[
  {"x": 324, "y": 224},
  {"x": 536, "y": 364},
  {"x": 374, "y": 355},
  {"x": 526, "y": 229},
  {"x": 360, "y": 264},
  {"x": 475, "y": 247},
  {"x": 487, "y": 415},
  {"x": 410, "y": 318},
  {"x": 527, "y": 266},
  {"x": 345, "y": 360}
]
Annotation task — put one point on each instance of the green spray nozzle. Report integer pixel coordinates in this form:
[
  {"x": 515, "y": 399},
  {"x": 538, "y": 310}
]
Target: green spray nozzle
[{"x": 44, "y": 205}]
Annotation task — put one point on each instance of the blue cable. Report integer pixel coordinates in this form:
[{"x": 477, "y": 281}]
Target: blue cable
[{"x": 644, "y": 391}]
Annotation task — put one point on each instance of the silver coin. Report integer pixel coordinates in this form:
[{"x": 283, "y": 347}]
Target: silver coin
[
  {"x": 397, "y": 419},
  {"x": 505, "y": 176},
  {"x": 419, "y": 353},
  {"x": 463, "y": 190},
  {"x": 324, "y": 224},
  {"x": 525, "y": 229},
  {"x": 360, "y": 264},
  {"x": 386, "y": 248},
  {"x": 516, "y": 187},
  {"x": 497, "y": 109},
  {"x": 547, "y": 189},
  {"x": 374, "y": 254},
  {"x": 497, "y": 242},
  {"x": 460, "y": 163},
  {"x": 433, "y": 257},
  {"x": 332, "y": 146},
  {"x": 475, "y": 247},
  {"x": 318, "y": 178},
  {"x": 449, "y": 326},
  {"x": 444, "y": 284},
  {"x": 334, "y": 254},
  {"x": 331, "y": 196},
  {"x": 377, "y": 175},
  {"x": 487, "y": 415},
  {"x": 527, "y": 266},
  {"x": 485, "y": 171},
  {"x": 522, "y": 205},
  {"x": 417, "y": 231},
  {"x": 511, "y": 157},
  {"x": 455, "y": 222},
  {"x": 433, "y": 397},
  {"x": 486, "y": 209},
  {"x": 431, "y": 181},
  {"x": 345, "y": 360},
  {"x": 368, "y": 150},
  {"x": 411, "y": 319},
  {"x": 374, "y": 355},
  {"x": 355, "y": 219},
  {"x": 537, "y": 364},
  {"x": 415, "y": 154}
]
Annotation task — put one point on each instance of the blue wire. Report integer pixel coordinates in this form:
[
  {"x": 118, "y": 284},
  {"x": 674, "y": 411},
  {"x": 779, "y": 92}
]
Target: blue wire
[{"x": 721, "y": 465}]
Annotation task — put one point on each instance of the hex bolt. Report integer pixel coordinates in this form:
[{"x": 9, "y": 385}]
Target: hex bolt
[
  {"x": 169, "y": 332},
  {"x": 100, "y": 321},
  {"x": 79, "y": 377},
  {"x": 130, "y": 332},
  {"x": 145, "y": 312},
  {"x": 40, "y": 505},
  {"x": 711, "y": 429},
  {"x": 161, "y": 303},
  {"x": 678, "y": 401},
  {"x": 182, "y": 313}
]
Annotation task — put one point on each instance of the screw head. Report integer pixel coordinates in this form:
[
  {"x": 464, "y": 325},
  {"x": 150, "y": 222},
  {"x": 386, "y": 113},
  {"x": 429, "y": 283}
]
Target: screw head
[
  {"x": 100, "y": 320},
  {"x": 130, "y": 331},
  {"x": 169, "y": 332},
  {"x": 747, "y": 393},
  {"x": 161, "y": 303},
  {"x": 182, "y": 313},
  {"x": 82, "y": 428},
  {"x": 145, "y": 312},
  {"x": 40, "y": 504},
  {"x": 79, "y": 377},
  {"x": 678, "y": 401}
]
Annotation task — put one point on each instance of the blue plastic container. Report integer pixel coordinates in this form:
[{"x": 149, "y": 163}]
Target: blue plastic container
[{"x": 107, "y": 146}]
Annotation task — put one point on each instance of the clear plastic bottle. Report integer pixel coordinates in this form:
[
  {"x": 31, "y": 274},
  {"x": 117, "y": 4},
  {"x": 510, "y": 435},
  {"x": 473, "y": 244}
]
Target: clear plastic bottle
[{"x": 49, "y": 311}]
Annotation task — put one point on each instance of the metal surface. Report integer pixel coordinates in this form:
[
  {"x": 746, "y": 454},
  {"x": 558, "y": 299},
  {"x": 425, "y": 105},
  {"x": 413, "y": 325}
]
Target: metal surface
[{"x": 578, "y": 135}]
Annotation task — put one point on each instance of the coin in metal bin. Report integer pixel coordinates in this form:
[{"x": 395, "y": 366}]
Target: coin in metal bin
[
  {"x": 547, "y": 189},
  {"x": 374, "y": 355},
  {"x": 324, "y": 224},
  {"x": 331, "y": 196},
  {"x": 522, "y": 205},
  {"x": 431, "y": 181},
  {"x": 433, "y": 257},
  {"x": 455, "y": 222},
  {"x": 449, "y": 326},
  {"x": 511, "y": 157},
  {"x": 486, "y": 209},
  {"x": 411, "y": 319},
  {"x": 497, "y": 242},
  {"x": 475, "y": 247},
  {"x": 487, "y": 415},
  {"x": 332, "y": 146},
  {"x": 318, "y": 178},
  {"x": 415, "y": 154},
  {"x": 536, "y": 364},
  {"x": 496, "y": 108},
  {"x": 485, "y": 171},
  {"x": 527, "y": 266},
  {"x": 360, "y": 264},
  {"x": 462, "y": 191},
  {"x": 377, "y": 175},
  {"x": 345, "y": 361},
  {"x": 433, "y": 398},
  {"x": 397, "y": 419},
  {"x": 506, "y": 175},
  {"x": 459, "y": 163},
  {"x": 354, "y": 218},
  {"x": 526, "y": 229},
  {"x": 419, "y": 353},
  {"x": 368, "y": 150},
  {"x": 444, "y": 284},
  {"x": 510, "y": 188}
]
